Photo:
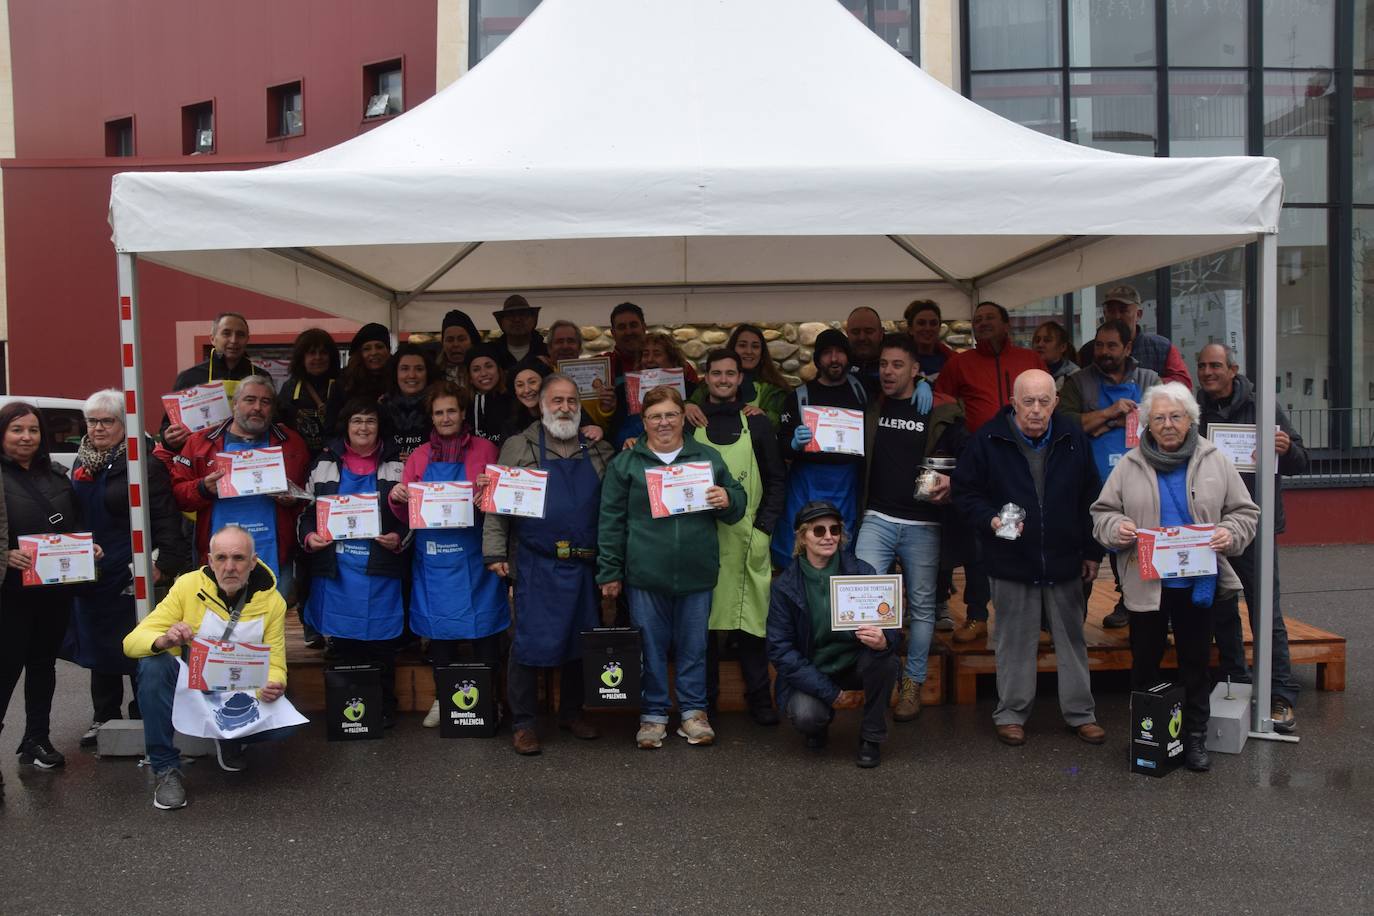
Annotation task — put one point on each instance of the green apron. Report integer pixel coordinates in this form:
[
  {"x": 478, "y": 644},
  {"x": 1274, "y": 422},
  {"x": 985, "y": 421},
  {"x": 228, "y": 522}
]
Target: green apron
[{"x": 740, "y": 600}]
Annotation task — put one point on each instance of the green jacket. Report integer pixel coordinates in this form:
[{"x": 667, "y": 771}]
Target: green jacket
[{"x": 677, "y": 555}]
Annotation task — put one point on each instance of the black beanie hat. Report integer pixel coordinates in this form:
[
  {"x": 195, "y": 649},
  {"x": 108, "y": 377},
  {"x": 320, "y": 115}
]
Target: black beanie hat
[
  {"x": 831, "y": 337},
  {"x": 369, "y": 332},
  {"x": 460, "y": 319},
  {"x": 529, "y": 362}
]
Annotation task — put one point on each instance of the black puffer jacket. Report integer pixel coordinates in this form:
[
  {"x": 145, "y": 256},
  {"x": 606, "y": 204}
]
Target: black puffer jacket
[{"x": 33, "y": 498}]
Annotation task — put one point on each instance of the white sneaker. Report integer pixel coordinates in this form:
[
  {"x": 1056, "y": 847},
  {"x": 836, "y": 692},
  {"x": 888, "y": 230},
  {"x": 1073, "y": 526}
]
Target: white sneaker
[
  {"x": 432, "y": 717},
  {"x": 697, "y": 730}
]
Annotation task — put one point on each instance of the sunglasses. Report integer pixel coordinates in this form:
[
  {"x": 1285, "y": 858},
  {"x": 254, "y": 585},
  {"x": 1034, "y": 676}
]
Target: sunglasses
[{"x": 819, "y": 531}]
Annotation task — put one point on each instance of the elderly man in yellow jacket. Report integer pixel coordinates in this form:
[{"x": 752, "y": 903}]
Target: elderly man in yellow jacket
[{"x": 233, "y": 598}]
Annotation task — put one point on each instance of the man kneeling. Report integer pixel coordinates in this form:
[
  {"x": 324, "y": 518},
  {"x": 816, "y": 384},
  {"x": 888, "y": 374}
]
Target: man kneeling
[
  {"x": 233, "y": 598},
  {"x": 815, "y": 663}
]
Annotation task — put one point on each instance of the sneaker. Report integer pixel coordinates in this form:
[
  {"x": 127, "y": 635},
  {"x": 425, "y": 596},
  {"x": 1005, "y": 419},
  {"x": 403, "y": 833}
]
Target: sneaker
[
  {"x": 230, "y": 755},
  {"x": 1118, "y": 618},
  {"x": 432, "y": 717},
  {"x": 1281, "y": 712},
  {"x": 90, "y": 738},
  {"x": 313, "y": 640},
  {"x": 971, "y": 630},
  {"x": 696, "y": 728},
  {"x": 40, "y": 753},
  {"x": 943, "y": 622},
  {"x": 908, "y": 702},
  {"x": 169, "y": 793},
  {"x": 651, "y": 735}
]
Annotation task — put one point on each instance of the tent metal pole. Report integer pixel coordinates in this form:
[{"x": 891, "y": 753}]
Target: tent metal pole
[
  {"x": 1055, "y": 249},
  {"x": 943, "y": 274},
  {"x": 403, "y": 300},
  {"x": 131, "y": 367},
  {"x": 915, "y": 287},
  {"x": 319, "y": 263},
  {"x": 1261, "y": 725},
  {"x": 393, "y": 323}
]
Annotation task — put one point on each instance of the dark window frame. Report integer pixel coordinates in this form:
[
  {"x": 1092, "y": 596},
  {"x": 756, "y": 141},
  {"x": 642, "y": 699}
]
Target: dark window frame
[
  {"x": 275, "y": 94},
  {"x": 190, "y": 125},
  {"x": 371, "y": 71},
  {"x": 117, "y": 124}
]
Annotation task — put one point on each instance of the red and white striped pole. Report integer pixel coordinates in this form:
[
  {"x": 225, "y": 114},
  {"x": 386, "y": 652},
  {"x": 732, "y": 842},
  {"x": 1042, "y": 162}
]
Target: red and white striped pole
[{"x": 131, "y": 365}]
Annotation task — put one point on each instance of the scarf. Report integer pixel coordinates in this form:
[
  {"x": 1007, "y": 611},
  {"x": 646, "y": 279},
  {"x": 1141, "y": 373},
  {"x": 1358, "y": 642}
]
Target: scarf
[
  {"x": 446, "y": 449},
  {"x": 1164, "y": 461},
  {"x": 358, "y": 463},
  {"x": 93, "y": 461}
]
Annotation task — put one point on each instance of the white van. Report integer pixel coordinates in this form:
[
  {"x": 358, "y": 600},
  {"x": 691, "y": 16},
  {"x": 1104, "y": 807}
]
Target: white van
[{"x": 65, "y": 421}]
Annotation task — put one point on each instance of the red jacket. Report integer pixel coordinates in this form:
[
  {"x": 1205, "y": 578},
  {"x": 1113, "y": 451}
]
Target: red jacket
[
  {"x": 196, "y": 459},
  {"x": 982, "y": 379}
]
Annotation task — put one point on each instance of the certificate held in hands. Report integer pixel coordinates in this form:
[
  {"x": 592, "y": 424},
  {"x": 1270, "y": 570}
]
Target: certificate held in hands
[
  {"x": 58, "y": 558},
  {"x": 354, "y": 516},
  {"x": 586, "y": 371},
  {"x": 675, "y": 489},
  {"x": 199, "y": 407},
  {"x": 515, "y": 491},
  {"x": 835, "y": 430},
  {"x": 441, "y": 504},
  {"x": 1176, "y": 553},
  {"x": 252, "y": 472},
  {"x": 219, "y": 666},
  {"x": 865, "y": 601},
  {"x": 638, "y": 384}
]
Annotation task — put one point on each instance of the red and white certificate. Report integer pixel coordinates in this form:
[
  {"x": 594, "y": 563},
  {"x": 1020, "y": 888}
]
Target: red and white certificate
[
  {"x": 347, "y": 517},
  {"x": 1176, "y": 553},
  {"x": 199, "y": 407},
  {"x": 219, "y": 666},
  {"x": 1132, "y": 424},
  {"x": 252, "y": 472},
  {"x": 58, "y": 558},
  {"x": 515, "y": 491},
  {"x": 441, "y": 504},
  {"x": 837, "y": 430},
  {"x": 638, "y": 384},
  {"x": 675, "y": 489}
]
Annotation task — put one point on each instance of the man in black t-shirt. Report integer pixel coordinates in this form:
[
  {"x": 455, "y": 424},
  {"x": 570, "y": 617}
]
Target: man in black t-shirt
[{"x": 897, "y": 526}]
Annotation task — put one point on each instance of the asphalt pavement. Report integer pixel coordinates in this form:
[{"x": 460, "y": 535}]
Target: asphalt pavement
[{"x": 952, "y": 822}]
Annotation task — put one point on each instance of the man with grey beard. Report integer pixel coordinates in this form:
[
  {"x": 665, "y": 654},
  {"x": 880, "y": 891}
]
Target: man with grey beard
[{"x": 551, "y": 560}]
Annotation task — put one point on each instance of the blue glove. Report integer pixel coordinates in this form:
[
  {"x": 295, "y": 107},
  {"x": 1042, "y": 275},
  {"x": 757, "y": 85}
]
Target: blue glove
[
  {"x": 923, "y": 397},
  {"x": 800, "y": 436}
]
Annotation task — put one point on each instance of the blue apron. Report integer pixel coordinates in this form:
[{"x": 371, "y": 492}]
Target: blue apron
[
  {"x": 1109, "y": 447},
  {"x": 103, "y": 610},
  {"x": 353, "y": 604},
  {"x": 807, "y": 481},
  {"x": 556, "y": 599},
  {"x": 255, "y": 514},
  {"x": 454, "y": 596}
]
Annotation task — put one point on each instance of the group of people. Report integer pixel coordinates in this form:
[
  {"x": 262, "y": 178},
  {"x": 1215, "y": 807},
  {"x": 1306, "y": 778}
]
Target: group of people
[{"x": 1087, "y": 455}]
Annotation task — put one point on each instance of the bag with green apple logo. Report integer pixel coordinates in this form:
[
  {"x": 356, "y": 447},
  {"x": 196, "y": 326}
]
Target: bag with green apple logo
[
  {"x": 467, "y": 700},
  {"x": 611, "y": 668},
  {"x": 353, "y": 702}
]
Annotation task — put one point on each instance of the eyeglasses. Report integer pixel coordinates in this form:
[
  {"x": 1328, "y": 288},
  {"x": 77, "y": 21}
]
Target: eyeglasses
[
  {"x": 671, "y": 416},
  {"x": 819, "y": 531},
  {"x": 1170, "y": 419},
  {"x": 102, "y": 422},
  {"x": 362, "y": 421}
]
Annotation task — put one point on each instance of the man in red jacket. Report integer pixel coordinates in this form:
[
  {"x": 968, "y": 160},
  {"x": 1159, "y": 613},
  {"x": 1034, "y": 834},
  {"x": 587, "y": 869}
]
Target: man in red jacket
[
  {"x": 270, "y": 519},
  {"x": 982, "y": 380}
]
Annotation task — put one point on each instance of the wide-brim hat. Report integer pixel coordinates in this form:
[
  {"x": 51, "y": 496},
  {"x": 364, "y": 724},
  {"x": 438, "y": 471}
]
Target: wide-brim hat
[{"x": 516, "y": 305}]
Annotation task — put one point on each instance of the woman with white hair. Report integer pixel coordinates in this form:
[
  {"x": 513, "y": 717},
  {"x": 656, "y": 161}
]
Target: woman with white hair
[
  {"x": 1172, "y": 478},
  {"x": 104, "y": 610}
]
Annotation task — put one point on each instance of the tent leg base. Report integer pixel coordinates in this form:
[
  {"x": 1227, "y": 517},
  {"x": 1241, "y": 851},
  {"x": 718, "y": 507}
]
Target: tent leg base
[{"x": 1275, "y": 736}]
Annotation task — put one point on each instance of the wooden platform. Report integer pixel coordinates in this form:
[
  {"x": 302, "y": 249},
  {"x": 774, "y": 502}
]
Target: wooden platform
[{"x": 1110, "y": 650}]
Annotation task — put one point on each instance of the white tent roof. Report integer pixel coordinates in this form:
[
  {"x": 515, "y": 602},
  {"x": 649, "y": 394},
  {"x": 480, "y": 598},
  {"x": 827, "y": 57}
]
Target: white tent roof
[{"x": 712, "y": 159}]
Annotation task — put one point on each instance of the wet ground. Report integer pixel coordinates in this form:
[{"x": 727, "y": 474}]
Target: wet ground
[{"x": 952, "y": 822}]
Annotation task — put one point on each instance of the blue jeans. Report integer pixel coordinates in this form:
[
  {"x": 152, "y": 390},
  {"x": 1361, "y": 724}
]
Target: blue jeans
[
  {"x": 678, "y": 622},
  {"x": 881, "y": 544},
  {"x": 157, "y": 686}
]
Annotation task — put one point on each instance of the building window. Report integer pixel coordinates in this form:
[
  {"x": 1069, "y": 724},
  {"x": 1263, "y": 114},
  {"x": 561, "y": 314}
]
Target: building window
[
  {"x": 119, "y": 137},
  {"x": 383, "y": 89},
  {"x": 198, "y": 129},
  {"x": 285, "y": 111}
]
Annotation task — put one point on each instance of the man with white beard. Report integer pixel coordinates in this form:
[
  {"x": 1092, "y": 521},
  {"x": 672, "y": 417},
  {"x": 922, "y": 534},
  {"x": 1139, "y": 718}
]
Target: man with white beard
[{"x": 552, "y": 561}]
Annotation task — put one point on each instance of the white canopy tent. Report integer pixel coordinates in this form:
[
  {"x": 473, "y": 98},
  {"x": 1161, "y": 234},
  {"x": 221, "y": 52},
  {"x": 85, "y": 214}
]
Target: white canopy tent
[{"x": 712, "y": 160}]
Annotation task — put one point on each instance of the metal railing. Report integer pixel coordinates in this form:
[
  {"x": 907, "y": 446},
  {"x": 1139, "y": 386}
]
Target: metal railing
[{"x": 1340, "y": 445}]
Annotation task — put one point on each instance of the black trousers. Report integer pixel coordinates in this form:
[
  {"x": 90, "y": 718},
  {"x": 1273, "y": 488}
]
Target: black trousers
[
  {"x": 34, "y": 623},
  {"x": 1192, "y": 641},
  {"x": 753, "y": 666},
  {"x": 381, "y": 653},
  {"x": 875, "y": 673},
  {"x": 107, "y": 696},
  {"x": 522, "y": 692}
]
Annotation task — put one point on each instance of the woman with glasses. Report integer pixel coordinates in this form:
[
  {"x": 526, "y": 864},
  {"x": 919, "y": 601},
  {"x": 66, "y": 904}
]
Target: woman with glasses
[
  {"x": 355, "y": 595},
  {"x": 667, "y": 565},
  {"x": 104, "y": 610},
  {"x": 815, "y": 663},
  {"x": 1172, "y": 478}
]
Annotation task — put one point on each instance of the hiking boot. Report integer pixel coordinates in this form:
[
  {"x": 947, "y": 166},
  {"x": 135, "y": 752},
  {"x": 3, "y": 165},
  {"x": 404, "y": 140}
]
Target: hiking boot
[
  {"x": 169, "y": 793},
  {"x": 908, "y": 701},
  {"x": 971, "y": 630},
  {"x": 432, "y": 717},
  {"x": 651, "y": 735},
  {"x": 230, "y": 755},
  {"x": 869, "y": 755},
  {"x": 1118, "y": 618},
  {"x": 40, "y": 753},
  {"x": 696, "y": 728},
  {"x": 1281, "y": 711}
]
